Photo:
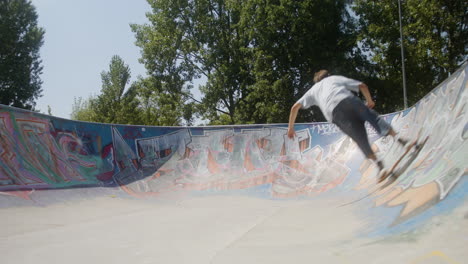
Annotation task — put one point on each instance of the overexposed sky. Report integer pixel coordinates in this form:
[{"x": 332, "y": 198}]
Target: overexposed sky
[{"x": 81, "y": 36}]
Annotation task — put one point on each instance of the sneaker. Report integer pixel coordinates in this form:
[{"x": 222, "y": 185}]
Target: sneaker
[
  {"x": 383, "y": 174},
  {"x": 380, "y": 165},
  {"x": 403, "y": 142}
]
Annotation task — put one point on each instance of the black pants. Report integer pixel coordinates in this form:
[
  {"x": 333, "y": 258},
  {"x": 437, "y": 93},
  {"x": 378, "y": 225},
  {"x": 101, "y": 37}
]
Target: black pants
[{"x": 350, "y": 116}]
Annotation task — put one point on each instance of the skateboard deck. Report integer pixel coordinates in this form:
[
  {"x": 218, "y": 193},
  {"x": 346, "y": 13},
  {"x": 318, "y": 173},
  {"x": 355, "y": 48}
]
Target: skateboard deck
[
  {"x": 386, "y": 174},
  {"x": 394, "y": 173}
]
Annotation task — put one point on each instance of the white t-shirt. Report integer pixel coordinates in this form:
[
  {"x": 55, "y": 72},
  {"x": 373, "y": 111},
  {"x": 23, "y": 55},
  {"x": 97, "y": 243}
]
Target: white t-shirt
[{"x": 327, "y": 93}]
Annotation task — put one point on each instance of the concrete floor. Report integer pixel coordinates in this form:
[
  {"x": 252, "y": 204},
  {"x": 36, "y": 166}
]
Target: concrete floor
[{"x": 219, "y": 230}]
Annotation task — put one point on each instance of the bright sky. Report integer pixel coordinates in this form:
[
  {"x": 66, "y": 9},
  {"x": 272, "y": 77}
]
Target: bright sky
[{"x": 81, "y": 38}]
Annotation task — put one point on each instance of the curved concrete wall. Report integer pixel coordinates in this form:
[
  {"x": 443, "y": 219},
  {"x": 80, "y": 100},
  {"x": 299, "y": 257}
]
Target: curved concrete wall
[{"x": 39, "y": 152}]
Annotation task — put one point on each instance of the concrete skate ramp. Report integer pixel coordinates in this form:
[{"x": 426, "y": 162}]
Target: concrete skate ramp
[{"x": 76, "y": 192}]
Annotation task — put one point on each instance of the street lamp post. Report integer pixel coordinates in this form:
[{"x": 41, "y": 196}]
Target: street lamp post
[{"x": 402, "y": 57}]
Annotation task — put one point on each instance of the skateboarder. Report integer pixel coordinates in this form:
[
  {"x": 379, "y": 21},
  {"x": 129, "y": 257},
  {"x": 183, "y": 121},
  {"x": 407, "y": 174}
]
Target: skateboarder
[{"x": 332, "y": 94}]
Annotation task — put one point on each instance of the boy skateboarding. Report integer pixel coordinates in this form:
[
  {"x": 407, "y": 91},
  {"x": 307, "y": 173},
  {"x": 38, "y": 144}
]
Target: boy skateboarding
[{"x": 333, "y": 95}]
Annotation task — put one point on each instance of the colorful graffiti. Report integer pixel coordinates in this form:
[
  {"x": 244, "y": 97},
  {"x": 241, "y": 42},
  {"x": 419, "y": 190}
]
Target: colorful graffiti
[
  {"x": 441, "y": 116},
  {"x": 41, "y": 152},
  {"x": 230, "y": 158},
  {"x": 35, "y": 155}
]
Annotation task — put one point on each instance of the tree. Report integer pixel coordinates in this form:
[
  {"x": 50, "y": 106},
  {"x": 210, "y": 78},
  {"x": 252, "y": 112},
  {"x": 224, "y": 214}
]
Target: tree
[
  {"x": 257, "y": 56},
  {"x": 20, "y": 65},
  {"x": 225, "y": 60},
  {"x": 115, "y": 104},
  {"x": 158, "y": 106},
  {"x": 435, "y": 39},
  {"x": 177, "y": 47},
  {"x": 83, "y": 110},
  {"x": 289, "y": 40},
  {"x": 147, "y": 101}
]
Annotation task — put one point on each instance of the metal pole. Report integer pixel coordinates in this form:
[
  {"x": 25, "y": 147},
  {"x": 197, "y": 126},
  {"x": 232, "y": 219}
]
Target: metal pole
[{"x": 402, "y": 57}]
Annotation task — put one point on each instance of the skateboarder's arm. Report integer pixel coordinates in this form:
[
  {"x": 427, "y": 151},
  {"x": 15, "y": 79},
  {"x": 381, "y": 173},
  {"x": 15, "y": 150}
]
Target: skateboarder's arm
[
  {"x": 292, "y": 118},
  {"x": 365, "y": 91}
]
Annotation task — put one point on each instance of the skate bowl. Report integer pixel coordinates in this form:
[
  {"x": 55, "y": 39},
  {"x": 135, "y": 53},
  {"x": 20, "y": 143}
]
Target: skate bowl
[{"x": 78, "y": 192}]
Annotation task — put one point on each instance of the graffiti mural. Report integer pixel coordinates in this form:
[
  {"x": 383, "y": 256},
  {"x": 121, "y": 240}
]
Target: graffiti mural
[
  {"x": 34, "y": 155},
  {"x": 42, "y": 152},
  {"x": 226, "y": 159},
  {"x": 442, "y": 163}
]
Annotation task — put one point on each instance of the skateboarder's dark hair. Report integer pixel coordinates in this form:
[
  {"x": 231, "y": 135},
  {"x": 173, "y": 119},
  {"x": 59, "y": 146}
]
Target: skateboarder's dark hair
[{"x": 320, "y": 75}]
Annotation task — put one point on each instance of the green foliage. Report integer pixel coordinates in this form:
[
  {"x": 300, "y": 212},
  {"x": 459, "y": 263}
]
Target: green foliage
[
  {"x": 158, "y": 106},
  {"x": 188, "y": 39},
  {"x": 148, "y": 101},
  {"x": 257, "y": 56},
  {"x": 114, "y": 104},
  {"x": 83, "y": 109},
  {"x": 20, "y": 64},
  {"x": 435, "y": 41}
]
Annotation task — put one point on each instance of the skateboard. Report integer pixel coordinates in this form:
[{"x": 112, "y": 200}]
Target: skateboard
[
  {"x": 394, "y": 173},
  {"x": 391, "y": 175}
]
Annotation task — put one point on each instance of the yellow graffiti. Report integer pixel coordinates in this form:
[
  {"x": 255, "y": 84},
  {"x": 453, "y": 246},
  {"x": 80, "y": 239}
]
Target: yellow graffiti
[{"x": 435, "y": 254}]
